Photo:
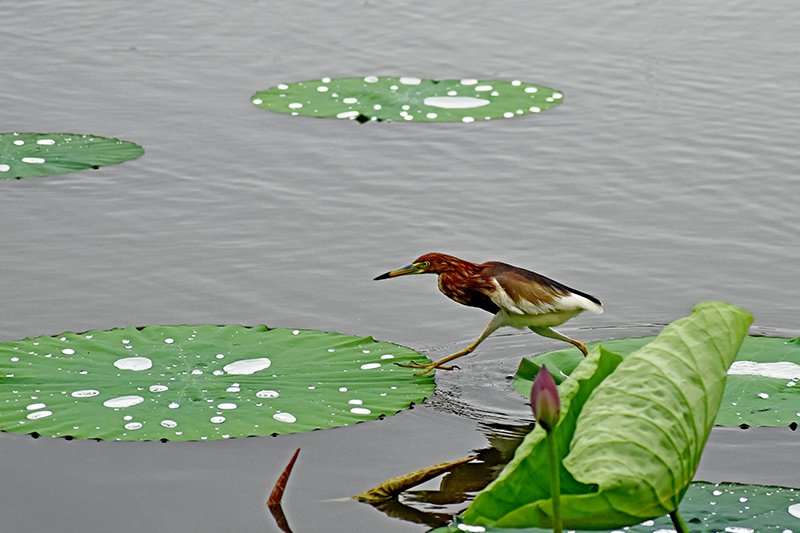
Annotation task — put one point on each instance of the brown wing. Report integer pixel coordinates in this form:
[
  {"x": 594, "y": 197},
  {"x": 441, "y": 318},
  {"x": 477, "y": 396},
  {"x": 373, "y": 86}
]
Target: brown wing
[{"x": 527, "y": 292}]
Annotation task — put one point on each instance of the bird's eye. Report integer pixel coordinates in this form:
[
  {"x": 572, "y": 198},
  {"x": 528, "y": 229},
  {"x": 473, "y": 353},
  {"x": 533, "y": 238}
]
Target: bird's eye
[{"x": 424, "y": 264}]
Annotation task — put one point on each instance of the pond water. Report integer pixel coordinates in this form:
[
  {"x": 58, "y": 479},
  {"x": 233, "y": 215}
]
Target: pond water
[{"x": 667, "y": 177}]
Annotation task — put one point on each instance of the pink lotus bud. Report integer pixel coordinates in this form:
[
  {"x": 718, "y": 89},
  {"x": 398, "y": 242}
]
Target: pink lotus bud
[{"x": 544, "y": 400}]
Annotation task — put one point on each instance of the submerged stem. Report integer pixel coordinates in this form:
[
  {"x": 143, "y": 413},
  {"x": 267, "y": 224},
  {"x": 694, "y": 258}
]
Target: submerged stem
[
  {"x": 555, "y": 482},
  {"x": 677, "y": 521}
]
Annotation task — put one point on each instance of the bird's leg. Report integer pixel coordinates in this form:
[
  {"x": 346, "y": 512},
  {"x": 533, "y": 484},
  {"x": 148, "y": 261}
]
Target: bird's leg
[
  {"x": 439, "y": 364},
  {"x": 545, "y": 331},
  {"x": 496, "y": 322}
]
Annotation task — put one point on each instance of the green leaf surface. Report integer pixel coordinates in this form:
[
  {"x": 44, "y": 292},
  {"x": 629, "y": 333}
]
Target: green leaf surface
[
  {"x": 200, "y": 382},
  {"x": 28, "y": 155},
  {"x": 763, "y": 386},
  {"x": 707, "y": 508},
  {"x": 636, "y": 441},
  {"x": 408, "y": 99},
  {"x": 525, "y": 478}
]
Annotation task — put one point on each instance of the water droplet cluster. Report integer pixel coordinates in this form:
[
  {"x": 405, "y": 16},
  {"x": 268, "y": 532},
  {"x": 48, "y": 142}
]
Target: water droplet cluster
[
  {"x": 34, "y": 147},
  {"x": 408, "y": 99},
  {"x": 199, "y": 382},
  {"x": 39, "y": 154}
]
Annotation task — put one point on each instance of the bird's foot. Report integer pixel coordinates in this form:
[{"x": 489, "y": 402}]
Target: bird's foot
[{"x": 428, "y": 367}]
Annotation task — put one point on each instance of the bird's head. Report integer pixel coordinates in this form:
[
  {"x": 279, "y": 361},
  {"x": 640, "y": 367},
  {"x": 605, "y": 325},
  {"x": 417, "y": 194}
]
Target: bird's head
[{"x": 432, "y": 263}]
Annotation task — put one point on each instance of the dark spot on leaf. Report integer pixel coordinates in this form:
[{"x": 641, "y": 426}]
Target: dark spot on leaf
[
  {"x": 744, "y": 426},
  {"x": 362, "y": 118},
  {"x": 35, "y": 435},
  {"x": 793, "y": 426}
]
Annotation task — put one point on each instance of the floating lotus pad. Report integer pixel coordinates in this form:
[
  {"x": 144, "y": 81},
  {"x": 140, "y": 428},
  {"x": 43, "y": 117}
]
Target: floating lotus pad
[
  {"x": 200, "y": 382},
  {"x": 709, "y": 508},
  {"x": 28, "y": 155},
  {"x": 408, "y": 99},
  {"x": 762, "y": 389}
]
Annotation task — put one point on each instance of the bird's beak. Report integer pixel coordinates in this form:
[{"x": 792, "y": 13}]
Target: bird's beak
[{"x": 408, "y": 269}]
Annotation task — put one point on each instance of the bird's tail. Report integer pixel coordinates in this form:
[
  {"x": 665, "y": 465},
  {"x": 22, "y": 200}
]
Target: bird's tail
[{"x": 586, "y": 302}]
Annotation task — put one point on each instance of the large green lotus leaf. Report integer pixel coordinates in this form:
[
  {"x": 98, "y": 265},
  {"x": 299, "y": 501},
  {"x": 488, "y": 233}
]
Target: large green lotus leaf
[
  {"x": 763, "y": 386},
  {"x": 200, "y": 382},
  {"x": 709, "y": 508},
  {"x": 524, "y": 479},
  {"x": 408, "y": 99},
  {"x": 637, "y": 439},
  {"x": 28, "y": 155}
]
